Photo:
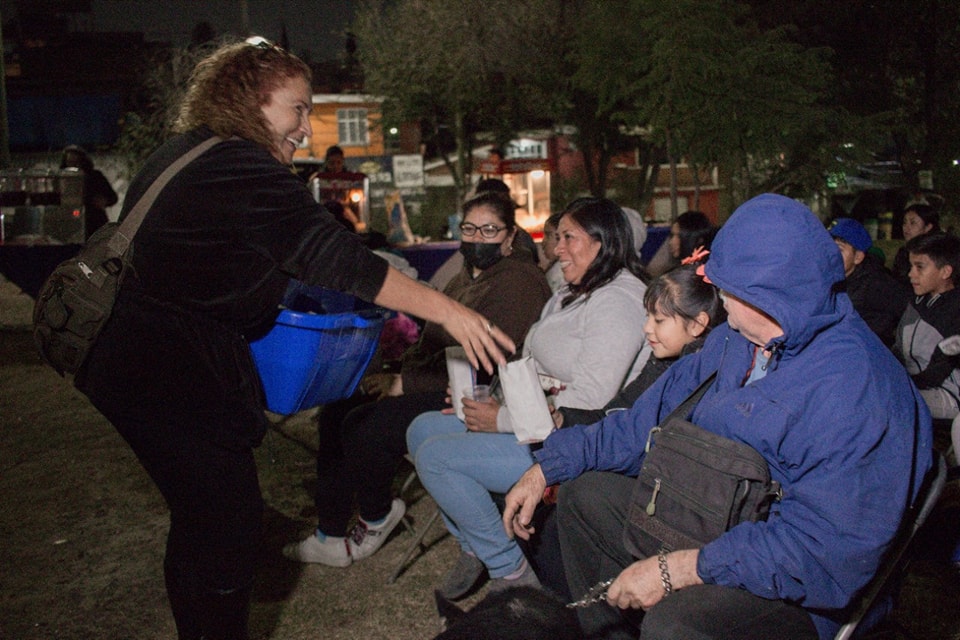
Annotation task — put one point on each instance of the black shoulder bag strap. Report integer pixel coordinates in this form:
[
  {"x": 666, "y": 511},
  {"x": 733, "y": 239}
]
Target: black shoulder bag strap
[
  {"x": 121, "y": 240},
  {"x": 685, "y": 407}
]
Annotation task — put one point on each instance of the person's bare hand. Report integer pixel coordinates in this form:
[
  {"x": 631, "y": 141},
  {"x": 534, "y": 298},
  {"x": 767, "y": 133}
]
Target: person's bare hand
[
  {"x": 521, "y": 501},
  {"x": 557, "y": 416},
  {"x": 449, "y": 400},
  {"x": 481, "y": 339},
  {"x": 639, "y": 586},
  {"x": 480, "y": 416}
]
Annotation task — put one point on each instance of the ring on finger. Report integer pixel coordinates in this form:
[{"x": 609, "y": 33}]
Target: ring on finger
[{"x": 489, "y": 327}]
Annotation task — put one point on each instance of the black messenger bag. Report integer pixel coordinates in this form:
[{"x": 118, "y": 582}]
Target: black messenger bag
[{"x": 694, "y": 485}]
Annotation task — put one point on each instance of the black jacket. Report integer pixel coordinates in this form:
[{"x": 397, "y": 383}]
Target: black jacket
[
  {"x": 878, "y": 297},
  {"x": 213, "y": 258}
]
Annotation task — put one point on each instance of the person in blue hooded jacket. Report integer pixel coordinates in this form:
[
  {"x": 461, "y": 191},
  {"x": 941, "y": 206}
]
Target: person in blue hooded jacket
[{"x": 801, "y": 379}]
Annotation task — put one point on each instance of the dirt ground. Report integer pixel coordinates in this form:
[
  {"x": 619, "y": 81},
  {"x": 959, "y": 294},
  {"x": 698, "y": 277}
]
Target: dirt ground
[
  {"x": 82, "y": 528},
  {"x": 82, "y": 532}
]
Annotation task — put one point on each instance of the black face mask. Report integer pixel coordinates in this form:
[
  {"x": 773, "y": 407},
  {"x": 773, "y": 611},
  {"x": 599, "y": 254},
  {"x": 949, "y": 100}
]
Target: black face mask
[{"x": 480, "y": 255}]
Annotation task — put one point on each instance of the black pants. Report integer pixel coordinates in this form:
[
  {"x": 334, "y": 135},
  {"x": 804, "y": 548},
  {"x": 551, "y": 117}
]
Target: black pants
[
  {"x": 361, "y": 448},
  {"x": 591, "y": 513},
  {"x": 216, "y": 515},
  {"x": 543, "y": 552}
]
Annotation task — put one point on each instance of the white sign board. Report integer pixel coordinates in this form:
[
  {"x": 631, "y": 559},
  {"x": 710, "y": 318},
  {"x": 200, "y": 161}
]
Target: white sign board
[
  {"x": 408, "y": 170},
  {"x": 526, "y": 148}
]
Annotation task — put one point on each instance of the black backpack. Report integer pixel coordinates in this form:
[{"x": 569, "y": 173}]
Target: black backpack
[{"x": 76, "y": 300}]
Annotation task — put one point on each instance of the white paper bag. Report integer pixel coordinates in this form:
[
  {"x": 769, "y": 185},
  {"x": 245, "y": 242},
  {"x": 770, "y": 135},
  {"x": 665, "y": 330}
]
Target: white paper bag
[
  {"x": 525, "y": 400},
  {"x": 461, "y": 375}
]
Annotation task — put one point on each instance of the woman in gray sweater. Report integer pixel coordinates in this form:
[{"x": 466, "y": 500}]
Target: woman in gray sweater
[{"x": 587, "y": 339}]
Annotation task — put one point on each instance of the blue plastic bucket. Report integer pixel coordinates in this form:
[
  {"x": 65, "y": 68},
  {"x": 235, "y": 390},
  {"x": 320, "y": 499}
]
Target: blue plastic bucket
[{"x": 310, "y": 359}]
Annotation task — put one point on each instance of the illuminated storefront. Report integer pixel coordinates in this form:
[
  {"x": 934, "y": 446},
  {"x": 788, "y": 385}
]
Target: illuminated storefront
[{"x": 526, "y": 168}]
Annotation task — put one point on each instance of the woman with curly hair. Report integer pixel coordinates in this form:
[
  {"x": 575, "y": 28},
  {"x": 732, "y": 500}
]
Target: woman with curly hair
[{"x": 172, "y": 369}]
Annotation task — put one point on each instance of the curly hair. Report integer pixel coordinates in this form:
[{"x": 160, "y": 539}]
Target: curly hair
[
  {"x": 228, "y": 88},
  {"x": 604, "y": 221}
]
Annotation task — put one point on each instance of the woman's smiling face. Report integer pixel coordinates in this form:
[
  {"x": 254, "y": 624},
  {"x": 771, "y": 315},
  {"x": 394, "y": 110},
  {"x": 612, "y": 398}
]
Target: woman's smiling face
[
  {"x": 287, "y": 113},
  {"x": 576, "y": 250}
]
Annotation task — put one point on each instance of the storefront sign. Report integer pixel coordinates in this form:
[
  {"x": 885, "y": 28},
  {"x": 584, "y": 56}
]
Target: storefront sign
[
  {"x": 526, "y": 148},
  {"x": 522, "y": 165},
  {"x": 408, "y": 170}
]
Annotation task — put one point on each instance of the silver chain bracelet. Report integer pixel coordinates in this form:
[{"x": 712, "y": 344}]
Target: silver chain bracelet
[
  {"x": 664, "y": 573},
  {"x": 597, "y": 593}
]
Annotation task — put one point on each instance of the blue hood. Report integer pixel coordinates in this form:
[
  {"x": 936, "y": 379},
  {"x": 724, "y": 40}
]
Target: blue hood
[{"x": 790, "y": 281}]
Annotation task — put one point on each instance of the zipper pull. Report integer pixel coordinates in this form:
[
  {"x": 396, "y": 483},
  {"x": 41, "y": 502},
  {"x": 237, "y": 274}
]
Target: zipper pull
[
  {"x": 655, "y": 430},
  {"x": 652, "y": 505}
]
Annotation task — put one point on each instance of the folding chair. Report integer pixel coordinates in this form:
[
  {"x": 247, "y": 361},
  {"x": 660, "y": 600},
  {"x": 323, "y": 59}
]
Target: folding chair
[
  {"x": 898, "y": 555},
  {"x": 418, "y": 536}
]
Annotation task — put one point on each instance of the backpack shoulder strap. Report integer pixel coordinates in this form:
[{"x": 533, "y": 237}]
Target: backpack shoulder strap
[
  {"x": 121, "y": 240},
  {"x": 685, "y": 407}
]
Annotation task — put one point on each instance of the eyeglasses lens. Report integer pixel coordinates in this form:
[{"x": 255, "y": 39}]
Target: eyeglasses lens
[{"x": 487, "y": 230}]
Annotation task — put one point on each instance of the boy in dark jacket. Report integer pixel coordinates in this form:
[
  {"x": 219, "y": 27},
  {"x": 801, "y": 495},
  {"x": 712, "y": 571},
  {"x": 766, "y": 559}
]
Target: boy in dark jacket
[{"x": 876, "y": 295}]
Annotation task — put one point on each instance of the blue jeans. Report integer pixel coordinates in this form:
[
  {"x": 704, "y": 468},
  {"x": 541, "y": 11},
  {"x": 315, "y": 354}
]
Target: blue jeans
[{"x": 460, "y": 468}]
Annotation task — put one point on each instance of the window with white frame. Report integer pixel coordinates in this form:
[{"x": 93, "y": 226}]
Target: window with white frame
[{"x": 352, "y": 126}]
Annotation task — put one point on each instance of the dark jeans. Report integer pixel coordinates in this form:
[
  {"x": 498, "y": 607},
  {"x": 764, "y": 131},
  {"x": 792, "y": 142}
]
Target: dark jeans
[
  {"x": 216, "y": 513},
  {"x": 543, "y": 552},
  {"x": 591, "y": 512},
  {"x": 361, "y": 448}
]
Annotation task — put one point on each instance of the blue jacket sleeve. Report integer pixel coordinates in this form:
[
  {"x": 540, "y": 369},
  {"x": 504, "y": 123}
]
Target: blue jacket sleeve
[
  {"x": 617, "y": 442},
  {"x": 847, "y": 474}
]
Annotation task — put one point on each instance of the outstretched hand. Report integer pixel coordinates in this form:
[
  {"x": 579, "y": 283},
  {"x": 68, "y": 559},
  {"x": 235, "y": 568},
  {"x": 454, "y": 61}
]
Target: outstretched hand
[
  {"x": 522, "y": 501},
  {"x": 481, "y": 339}
]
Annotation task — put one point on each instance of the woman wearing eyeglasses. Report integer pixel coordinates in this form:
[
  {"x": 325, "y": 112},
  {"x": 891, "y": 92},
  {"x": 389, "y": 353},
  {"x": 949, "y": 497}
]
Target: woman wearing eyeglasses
[
  {"x": 359, "y": 453},
  {"x": 588, "y": 338}
]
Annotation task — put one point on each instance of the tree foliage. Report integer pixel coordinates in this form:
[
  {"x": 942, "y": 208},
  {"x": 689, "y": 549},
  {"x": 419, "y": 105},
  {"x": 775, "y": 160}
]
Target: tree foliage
[
  {"x": 148, "y": 123},
  {"x": 719, "y": 90},
  {"x": 778, "y": 93},
  {"x": 457, "y": 68},
  {"x": 597, "y": 83},
  {"x": 898, "y": 66}
]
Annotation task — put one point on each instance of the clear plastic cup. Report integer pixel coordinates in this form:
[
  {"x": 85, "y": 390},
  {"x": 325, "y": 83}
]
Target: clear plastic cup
[{"x": 479, "y": 393}]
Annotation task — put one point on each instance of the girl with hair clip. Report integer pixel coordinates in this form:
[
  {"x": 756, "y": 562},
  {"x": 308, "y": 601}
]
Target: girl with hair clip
[{"x": 681, "y": 311}]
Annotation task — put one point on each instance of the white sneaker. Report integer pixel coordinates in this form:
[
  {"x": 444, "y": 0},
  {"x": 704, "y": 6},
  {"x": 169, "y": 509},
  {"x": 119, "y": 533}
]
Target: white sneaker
[
  {"x": 333, "y": 552},
  {"x": 365, "y": 539}
]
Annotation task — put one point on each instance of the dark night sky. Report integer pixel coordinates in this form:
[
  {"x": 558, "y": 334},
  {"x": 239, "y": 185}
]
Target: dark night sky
[{"x": 316, "y": 26}]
